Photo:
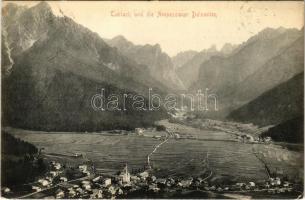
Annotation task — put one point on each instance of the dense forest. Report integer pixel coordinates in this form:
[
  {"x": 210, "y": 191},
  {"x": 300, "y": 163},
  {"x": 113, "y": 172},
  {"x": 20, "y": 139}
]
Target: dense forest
[
  {"x": 289, "y": 131},
  {"x": 19, "y": 162}
]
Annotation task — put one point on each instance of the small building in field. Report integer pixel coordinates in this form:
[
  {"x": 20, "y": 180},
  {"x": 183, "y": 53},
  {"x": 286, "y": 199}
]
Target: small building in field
[{"x": 139, "y": 131}]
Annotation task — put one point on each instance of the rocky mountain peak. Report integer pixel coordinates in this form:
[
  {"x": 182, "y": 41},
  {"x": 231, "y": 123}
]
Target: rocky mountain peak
[
  {"x": 43, "y": 7},
  {"x": 183, "y": 57},
  {"x": 26, "y": 25},
  {"x": 12, "y": 9},
  {"x": 269, "y": 33},
  {"x": 157, "y": 46},
  {"x": 10, "y": 13},
  {"x": 120, "y": 42},
  {"x": 227, "y": 48},
  {"x": 212, "y": 49},
  {"x": 119, "y": 38},
  {"x": 158, "y": 62},
  {"x": 39, "y": 12}
]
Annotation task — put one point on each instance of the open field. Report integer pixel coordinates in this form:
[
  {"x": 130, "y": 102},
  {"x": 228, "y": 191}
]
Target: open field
[{"x": 197, "y": 152}]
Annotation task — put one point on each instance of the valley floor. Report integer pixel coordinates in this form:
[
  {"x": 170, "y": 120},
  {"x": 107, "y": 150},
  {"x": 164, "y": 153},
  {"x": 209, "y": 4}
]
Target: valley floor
[{"x": 181, "y": 162}]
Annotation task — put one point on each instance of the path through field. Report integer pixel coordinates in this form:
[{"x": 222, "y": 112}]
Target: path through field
[
  {"x": 181, "y": 157},
  {"x": 156, "y": 148}
]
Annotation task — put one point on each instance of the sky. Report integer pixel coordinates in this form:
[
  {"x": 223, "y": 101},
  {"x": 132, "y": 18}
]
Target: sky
[{"x": 172, "y": 25}]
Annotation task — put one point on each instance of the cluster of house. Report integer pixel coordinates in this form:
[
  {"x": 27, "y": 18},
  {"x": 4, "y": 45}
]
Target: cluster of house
[
  {"x": 275, "y": 185},
  {"x": 94, "y": 187},
  {"x": 124, "y": 183},
  {"x": 49, "y": 179},
  {"x": 119, "y": 186},
  {"x": 250, "y": 138}
]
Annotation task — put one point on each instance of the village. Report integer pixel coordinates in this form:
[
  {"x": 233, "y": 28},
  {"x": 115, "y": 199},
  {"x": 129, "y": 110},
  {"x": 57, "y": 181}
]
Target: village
[
  {"x": 63, "y": 181},
  {"x": 83, "y": 182}
]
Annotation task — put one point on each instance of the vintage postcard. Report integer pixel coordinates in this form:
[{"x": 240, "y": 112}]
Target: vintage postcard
[{"x": 145, "y": 100}]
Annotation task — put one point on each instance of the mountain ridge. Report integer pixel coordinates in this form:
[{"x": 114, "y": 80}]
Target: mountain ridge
[
  {"x": 274, "y": 72},
  {"x": 158, "y": 62},
  {"x": 281, "y": 103},
  {"x": 53, "y": 79},
  {"x": 223, "y": 75}
]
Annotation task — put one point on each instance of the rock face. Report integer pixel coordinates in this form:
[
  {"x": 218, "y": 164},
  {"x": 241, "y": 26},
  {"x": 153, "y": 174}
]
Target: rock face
[
  {"x": 58, "y": 66},
  {"x": 6, "y": 60},
  {"x": 183, "y": 57},
  {"x": 188, "y": 72},
  {"x": 23, "y": 27},
  {"x": 188, "y": 63},
  {"x": 282, "y": 103},
  {"x": 228, "y": 48},
  {"x": 159, "y": 63}
]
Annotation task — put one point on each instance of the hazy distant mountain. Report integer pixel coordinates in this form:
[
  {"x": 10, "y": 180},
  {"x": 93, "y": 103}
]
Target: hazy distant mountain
[
  {"x": 183, "y": 57},
  {"x": 188, "y": 72},
  {"x": 59, "y": 66},
  {"x": 275, "y": 71},
  {"x": 282, "y": 103},
  {"x": 228, "y": 48},
  {"x": 223, "y": 74},
  {"x": 158, "y": 62}
]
